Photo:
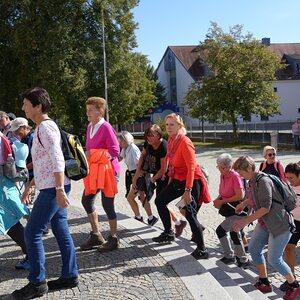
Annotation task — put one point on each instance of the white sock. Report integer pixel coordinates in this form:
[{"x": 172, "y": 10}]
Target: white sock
[
  {"x": 150, "y": 217},
  {"x": 139, "y": 217}
]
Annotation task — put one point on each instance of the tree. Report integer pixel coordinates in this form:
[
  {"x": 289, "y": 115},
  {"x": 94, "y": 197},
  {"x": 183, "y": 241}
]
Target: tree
[
  {"x": 198, "y": 106},
  {"x": 58, "y": 45},
  {"x": 240, "y": 80},
  {"x": 160, "y": 91}
]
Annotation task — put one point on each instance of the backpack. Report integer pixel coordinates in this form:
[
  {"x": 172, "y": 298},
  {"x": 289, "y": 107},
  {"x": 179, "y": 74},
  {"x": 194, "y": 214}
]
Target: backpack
[
  {"x": 10, "y": 169},
  {"x": 276, "y": 167},
  {"x": 76, "y": 164},
  {"x": 288, "y": 195}
]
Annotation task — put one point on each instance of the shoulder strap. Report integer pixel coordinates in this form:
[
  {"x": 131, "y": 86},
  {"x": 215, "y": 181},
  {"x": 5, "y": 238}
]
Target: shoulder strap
[
  {"x": 38, "y": 130},
  {"x": 278, "y": 169},
  {"x": 261, "y": 166}
]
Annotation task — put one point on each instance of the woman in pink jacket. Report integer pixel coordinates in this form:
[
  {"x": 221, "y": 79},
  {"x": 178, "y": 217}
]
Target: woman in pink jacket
[{"x": 101, "y": 135}]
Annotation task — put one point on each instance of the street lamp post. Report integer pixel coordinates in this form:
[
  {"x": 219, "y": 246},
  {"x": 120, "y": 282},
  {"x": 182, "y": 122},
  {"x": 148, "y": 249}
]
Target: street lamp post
[{"x": 104, "y": 65}]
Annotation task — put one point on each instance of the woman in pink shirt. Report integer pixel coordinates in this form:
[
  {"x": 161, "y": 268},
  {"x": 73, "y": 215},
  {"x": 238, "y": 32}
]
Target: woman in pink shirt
[
  {"x": 231, "y": 192},
  {"x": 101, "y": 135}
]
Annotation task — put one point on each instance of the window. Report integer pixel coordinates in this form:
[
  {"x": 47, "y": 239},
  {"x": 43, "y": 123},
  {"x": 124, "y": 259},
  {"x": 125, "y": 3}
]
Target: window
[
  {"x": 298, "y": 110},
  {"x": 264, "y": 118},
  {"x": 275, "y": 89}
]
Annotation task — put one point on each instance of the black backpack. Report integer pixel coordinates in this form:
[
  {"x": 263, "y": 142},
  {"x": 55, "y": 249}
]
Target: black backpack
[{"x": 76, "y": 166}]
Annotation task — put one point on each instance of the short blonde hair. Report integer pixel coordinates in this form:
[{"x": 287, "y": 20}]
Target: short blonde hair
[
  {"x": 243, "y": 163},
  {"x": 267, "y": 148},
  {"x": 98, "y": 102},
  {"x": 178, "y": 120}
]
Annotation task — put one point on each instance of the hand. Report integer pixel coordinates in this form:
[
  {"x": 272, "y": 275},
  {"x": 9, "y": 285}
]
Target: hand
[
  {"x": 152, "y": 179},
  {"x": 62, "y": 199},
  {"x": 218, "y": 203},
  {"x": 240, "y": 224},
  {"x": 25, "y": 198},
  {"x": 187, "y": 197},
  {"x": 134, "y": 180},
  {"x": 240, "y": 207}
]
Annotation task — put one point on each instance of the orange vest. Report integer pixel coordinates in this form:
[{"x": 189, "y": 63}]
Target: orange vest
[{"x": 101, "y": 174}]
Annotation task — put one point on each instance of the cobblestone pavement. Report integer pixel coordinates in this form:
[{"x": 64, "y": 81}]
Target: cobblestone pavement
[
  {"x": 208, "y": 215},
  {"x": 135, "y": 271}
]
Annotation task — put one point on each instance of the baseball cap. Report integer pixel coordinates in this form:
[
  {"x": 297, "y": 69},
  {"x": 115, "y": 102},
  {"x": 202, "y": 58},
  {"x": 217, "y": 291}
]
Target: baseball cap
[
  {"x": 21, "y": 152},
  {"x": 11, "y": 116},
  {"x": 17, "y": 123}
]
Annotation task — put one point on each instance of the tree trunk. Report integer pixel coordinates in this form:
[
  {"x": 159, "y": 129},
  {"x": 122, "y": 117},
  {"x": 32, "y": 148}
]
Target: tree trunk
[
  {"x": 235, "y": 131},
  {"x": 202, "y": 128}
]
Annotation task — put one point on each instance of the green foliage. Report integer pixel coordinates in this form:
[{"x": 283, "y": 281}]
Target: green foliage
[
  {"x": 161, "y": 123},
  {"x": 58, "y": 45},
  {"x": 160, "y": 91},
  {"x": 240, "y": 79}
]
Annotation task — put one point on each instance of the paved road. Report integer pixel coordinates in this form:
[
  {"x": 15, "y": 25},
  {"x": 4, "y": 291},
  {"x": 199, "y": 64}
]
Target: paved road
[{"x": 137, "y": 270}]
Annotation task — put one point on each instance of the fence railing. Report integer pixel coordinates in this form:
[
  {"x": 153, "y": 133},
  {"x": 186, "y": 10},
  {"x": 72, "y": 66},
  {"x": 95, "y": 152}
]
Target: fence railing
[{"x": 279, "y": 126}]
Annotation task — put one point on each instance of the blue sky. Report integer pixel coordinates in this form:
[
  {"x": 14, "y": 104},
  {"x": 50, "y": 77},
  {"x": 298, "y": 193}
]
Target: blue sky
[{"x": 165, "y": 23}]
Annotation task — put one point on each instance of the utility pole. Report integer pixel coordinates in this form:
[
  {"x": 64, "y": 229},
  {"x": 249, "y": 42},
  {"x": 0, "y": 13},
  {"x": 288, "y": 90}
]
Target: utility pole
[{"x": 104, "y": 65}]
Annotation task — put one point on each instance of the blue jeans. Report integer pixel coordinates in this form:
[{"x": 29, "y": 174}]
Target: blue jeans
[
  {"x": 276, "y": 245},
  {"x": 46, "y": 210}
]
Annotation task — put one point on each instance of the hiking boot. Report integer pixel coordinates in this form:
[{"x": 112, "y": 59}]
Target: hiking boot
[
  {"x": 284, "y": 287},
  {"x": 291, "y": 293},
  {"x": 164, "y": 237},
  {"x": 111, "y": 244},
  {"x": 153, "y": 221},
  {"x": 200, "y": 254},
  {"x": 139, "y": 219},
  {"x": 62, "y": 283},
  {"x": 264, "y": 288},
  {"x": 23, "y": 264},
  {"x": 179, "y": 228},
  {"x": 30, "y": 291},
  {"x": 95, "y": 239}
]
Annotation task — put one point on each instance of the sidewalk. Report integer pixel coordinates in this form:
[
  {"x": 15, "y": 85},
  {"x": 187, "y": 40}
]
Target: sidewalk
[{"x": 141, "y": 269}]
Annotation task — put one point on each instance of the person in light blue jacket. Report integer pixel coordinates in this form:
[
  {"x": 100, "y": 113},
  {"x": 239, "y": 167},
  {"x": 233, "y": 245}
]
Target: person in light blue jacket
[{"x": 12, "y": 209}]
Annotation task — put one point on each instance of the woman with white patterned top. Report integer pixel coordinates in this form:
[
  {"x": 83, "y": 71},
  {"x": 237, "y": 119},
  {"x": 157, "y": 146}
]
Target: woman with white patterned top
[{"x": 51, "y": 203}]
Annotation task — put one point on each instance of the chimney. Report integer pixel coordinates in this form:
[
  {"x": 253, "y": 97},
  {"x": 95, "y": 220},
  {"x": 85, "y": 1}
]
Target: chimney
[{"x": 266, "y": 41}]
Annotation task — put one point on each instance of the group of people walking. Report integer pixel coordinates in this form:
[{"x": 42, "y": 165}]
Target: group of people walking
[{"x": 164, "y": 168}]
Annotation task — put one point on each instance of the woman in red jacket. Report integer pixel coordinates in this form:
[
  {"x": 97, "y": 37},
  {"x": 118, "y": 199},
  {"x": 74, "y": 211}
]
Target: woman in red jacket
[{"x": 186, "y": 181}]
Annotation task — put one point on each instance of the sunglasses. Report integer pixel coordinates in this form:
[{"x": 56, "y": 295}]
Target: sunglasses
[{"x": 271, "y": 154}]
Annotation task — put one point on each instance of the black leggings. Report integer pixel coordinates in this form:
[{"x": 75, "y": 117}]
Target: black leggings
[
  {"x": 172, "y": 191},
  {"x": 108, "y": 204},
  {"x": 16, "y": 233}
]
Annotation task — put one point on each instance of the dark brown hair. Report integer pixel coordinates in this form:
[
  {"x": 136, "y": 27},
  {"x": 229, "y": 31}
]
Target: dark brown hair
[
  {"x": 153, "y": 130},
  {"x": 293, "y": 168}
]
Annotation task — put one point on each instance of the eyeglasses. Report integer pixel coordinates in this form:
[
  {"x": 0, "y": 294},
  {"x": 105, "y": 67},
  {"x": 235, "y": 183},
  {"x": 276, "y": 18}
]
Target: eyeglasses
[{"x": 271, "y": 154}]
